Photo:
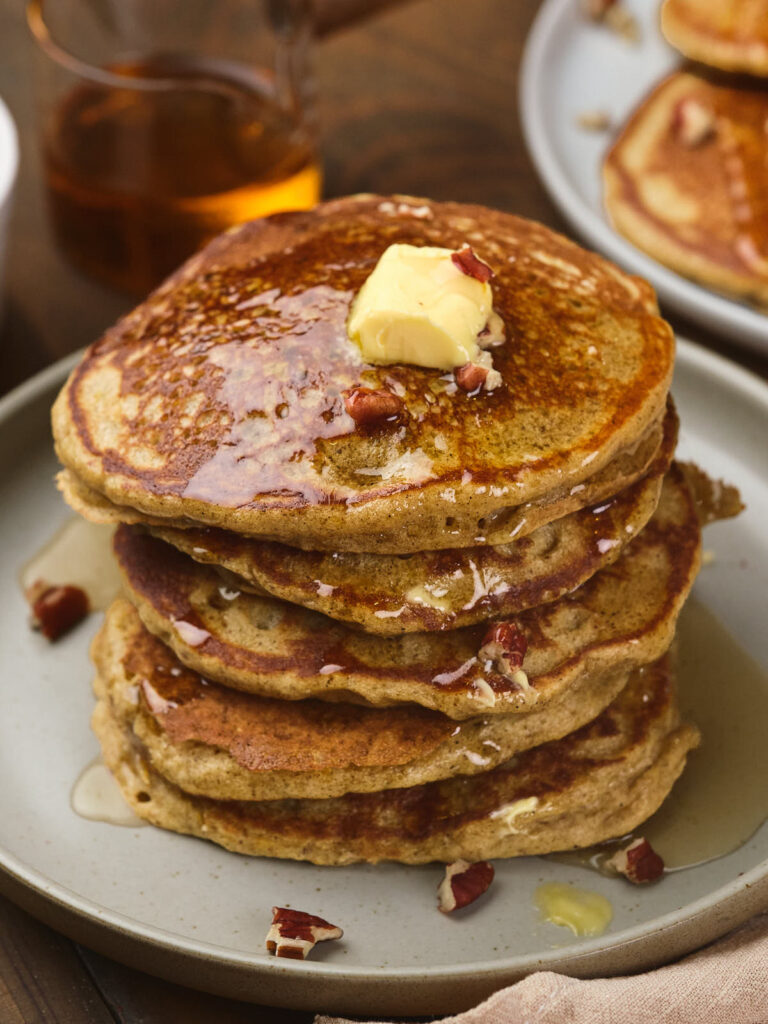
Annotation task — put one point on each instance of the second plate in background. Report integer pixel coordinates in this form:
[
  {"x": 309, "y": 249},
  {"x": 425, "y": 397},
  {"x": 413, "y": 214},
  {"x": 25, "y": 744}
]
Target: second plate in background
[{"x": 573, "y": 66}]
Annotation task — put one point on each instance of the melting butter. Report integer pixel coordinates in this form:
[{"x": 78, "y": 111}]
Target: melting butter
[
  {"x": 583, "y": 911},
  {"x": 418, "y": 307}
]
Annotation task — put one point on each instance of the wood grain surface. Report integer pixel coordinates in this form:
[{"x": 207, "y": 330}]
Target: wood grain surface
[{"x": 421, "y": 99}]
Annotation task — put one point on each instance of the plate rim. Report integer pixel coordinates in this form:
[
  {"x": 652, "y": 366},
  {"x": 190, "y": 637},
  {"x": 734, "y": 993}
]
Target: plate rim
[
  {"x": 724, "y": 374},
  {"x": 677, "y": 292}
]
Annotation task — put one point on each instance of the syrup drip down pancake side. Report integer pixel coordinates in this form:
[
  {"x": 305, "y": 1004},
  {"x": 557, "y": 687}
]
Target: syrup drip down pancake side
[
  {"x": 436, "y": 590},
  {"x": 210, "y": 740},
  {"x": 597, "y": 783},
  {"x": 624, "y": 616}
]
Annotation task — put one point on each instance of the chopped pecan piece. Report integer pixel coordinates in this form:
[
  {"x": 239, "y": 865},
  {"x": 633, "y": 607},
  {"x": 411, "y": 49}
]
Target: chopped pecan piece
[
  {"x": 463, "y": 883},
  {"x": 294, "y": 934},
  {"x": 638, "y": 862},
  {"x": 470, "y": 376},
  {"x": 371, "y": 405},
  {"x": 470, "y": 265},
  {"x": 692, "y": 122},
  {"x": 504, "y": 640},
  {"x": 56, "y": 609}
]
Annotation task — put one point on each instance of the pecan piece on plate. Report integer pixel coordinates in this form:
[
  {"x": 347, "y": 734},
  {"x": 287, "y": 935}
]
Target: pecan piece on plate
[
  {"x": 56, "y": 609},
  {"x": 294, "y": 933},
  {"x": 638, "y": 862},
  {"x": 463, "y": 883}
]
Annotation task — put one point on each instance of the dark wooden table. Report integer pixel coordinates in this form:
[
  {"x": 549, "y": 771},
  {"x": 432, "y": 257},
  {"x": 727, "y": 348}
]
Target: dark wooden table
[{"x": 423, "y": 99}]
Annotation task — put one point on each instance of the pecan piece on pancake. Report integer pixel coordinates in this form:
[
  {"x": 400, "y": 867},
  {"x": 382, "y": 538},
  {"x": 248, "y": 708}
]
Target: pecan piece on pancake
[
  {"x": 56, "y": 609},
  {"x": 638, "y": 862},
  {"x": 471, "y": 378},
  {"x": 504, "y": 647},
  {"x": 372, "y": 405},
  {"x": 463, "y": 884},
  {"x": 692, "y": 122},
  {"x": 471, "y": 265},
  {"x": 504, "y": 640},
  {"x": 294, "y": 934}
]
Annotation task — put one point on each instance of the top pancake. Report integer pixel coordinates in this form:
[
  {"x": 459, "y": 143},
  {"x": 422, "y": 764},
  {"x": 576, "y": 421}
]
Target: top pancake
[
  {"x": 727, "y": 34},
  {"x": 699, "y": 208},
  {"x": 219, "y": 400}
]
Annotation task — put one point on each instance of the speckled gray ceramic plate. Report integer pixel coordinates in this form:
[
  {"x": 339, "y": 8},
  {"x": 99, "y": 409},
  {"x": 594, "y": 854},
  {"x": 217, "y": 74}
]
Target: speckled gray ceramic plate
[
  {"x": 572, "y": 66},
  {"x": 186, "y": 910}
]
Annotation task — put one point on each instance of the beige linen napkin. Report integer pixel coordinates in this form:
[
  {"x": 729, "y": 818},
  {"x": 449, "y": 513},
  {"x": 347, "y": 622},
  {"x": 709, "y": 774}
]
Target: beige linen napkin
[{"x": 725, "y": 983}]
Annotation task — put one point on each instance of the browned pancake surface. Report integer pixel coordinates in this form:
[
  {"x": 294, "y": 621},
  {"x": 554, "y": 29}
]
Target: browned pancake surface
[
  {"x": 701, "y": 209},
  {"x": 599, "y": 782},
  {"x": 728, "y": 34},
  {"x": 214, "y": 741},
  {"x": 621, "y": 617},
  {"x": 436, "y": 590},
  {"x": 220, "y": 398}
]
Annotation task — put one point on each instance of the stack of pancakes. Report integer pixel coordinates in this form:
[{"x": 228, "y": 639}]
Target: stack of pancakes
[
  {"x": 685, "y": 181},
  {"x": 303, "y": 664}
]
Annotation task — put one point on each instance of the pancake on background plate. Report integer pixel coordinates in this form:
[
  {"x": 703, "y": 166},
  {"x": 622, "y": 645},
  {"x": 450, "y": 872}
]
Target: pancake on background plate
[
  {"x": 686, "y": 182},
  {"x": 727, "y": 34}
]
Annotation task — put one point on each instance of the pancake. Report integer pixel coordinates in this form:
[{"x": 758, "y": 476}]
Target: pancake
[
  {"x": 595, "y": 784},
  {"x": 624, "y": 616},
  {"x": 219, "y": 400},
  {"x": 699, "y": 207},
  {"x": 498, "y": 528},
  {"x": 436, "y": 590},
  {"x": 213, "y": 741},
  {"x": 727, "y": 34}
]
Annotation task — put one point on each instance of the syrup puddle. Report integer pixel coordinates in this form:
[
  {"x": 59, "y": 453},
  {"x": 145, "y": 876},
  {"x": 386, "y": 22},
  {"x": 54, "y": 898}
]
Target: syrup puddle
[
  {"x": 97, "y": 796},
  {"x": 721, "y": 799},
  {"x": 583, "y": 911},
  {"x": 79, "y": 555}
]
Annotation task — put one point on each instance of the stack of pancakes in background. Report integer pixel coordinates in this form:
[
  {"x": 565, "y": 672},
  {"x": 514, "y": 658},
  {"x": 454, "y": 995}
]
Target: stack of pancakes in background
[
  {"x": 438, "y": 634},
  {"x": 685, "y": 180}
]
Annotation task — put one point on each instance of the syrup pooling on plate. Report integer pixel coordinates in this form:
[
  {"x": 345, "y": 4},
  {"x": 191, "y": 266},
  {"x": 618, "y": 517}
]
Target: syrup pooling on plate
[
  {"x": 721, "y": 798},
  {"x": 79, "y": 554},
  {"x": 97, "y": 797}
]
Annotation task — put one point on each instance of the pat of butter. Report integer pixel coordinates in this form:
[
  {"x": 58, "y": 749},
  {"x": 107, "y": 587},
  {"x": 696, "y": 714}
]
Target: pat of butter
[{"x": 418, "y": 307}]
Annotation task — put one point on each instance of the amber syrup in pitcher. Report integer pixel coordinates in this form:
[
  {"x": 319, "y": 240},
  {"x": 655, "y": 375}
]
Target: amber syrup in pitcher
[{"x": 140, "y": 179}]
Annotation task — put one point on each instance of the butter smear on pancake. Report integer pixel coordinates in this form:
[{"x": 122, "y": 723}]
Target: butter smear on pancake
[{"x": 430, "y": 307}]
